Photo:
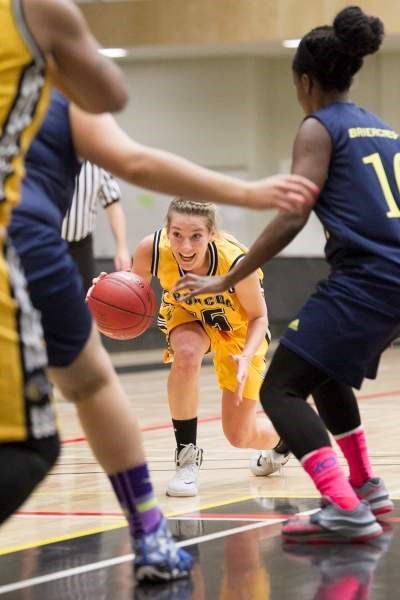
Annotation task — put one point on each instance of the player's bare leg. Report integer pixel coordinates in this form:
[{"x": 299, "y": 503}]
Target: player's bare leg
[
  {"x": 244, "y": 430},
  {"x": 189, "y": 343},
  {"x": 114, "y": 436}
]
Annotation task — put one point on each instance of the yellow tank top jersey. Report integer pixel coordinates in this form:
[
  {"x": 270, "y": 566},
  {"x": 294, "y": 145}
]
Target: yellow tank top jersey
[
  {"x": 23, "y": 100},
  {"x": 222, "y": 316},
  {"x": 221, "y": 311}
]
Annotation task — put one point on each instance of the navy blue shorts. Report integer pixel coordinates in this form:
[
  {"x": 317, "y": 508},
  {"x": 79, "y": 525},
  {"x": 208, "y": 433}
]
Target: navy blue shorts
[
  {"x": 55, "y": 288},
  {"x": 345, "y": 326}
]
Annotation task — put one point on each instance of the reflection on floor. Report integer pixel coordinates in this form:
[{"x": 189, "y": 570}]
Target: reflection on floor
[{"x": 239, "y": 555}]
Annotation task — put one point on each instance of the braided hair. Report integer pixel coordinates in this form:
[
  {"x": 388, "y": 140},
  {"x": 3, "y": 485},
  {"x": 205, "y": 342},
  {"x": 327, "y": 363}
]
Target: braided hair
[{"x": 198, "y": 209}]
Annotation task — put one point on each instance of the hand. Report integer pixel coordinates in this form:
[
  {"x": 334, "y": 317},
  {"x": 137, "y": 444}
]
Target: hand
[
  {"x": 242, "y": 366},
  {"x": 198, "y": 284},
  {"x": 122, "y": 260},
  {"x": 291, "y": 193},
  {"x": 94, "y": 281}
]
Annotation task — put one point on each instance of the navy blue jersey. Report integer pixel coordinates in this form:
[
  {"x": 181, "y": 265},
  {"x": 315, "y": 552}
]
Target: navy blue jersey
[
  {"x": 359, "y": 205},
  {"x": 55, "y": 285},
  {"x": 51, "y": 166}
]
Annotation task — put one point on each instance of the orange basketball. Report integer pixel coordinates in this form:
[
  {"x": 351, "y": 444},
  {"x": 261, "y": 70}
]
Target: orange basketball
[{"x": 123, "y": 305}]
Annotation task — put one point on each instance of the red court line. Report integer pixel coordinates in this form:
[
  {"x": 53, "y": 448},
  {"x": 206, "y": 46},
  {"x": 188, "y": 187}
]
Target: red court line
[
  {"x": 194, "y": 515},
  {"x": 161, "y": 426},
  {"x": 56, "y": 513},
  {"x": 197, "y": 515},
  {"x": 157, "y": 427}
]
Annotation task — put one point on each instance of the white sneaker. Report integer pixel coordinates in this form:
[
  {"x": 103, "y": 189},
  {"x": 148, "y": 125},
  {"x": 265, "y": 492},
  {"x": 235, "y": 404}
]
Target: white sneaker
[
  {"x": 188, "y": 463},
  {"x": 266, "y": 462}
]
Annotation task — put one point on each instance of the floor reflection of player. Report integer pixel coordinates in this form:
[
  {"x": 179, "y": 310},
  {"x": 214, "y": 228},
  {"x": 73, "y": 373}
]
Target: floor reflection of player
[
  {"x": 346, "y": 571},
  {"x": 245, "y": 575}
]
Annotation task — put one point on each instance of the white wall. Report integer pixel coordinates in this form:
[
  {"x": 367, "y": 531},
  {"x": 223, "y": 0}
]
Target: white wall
[{"x": 238, "y": 115}]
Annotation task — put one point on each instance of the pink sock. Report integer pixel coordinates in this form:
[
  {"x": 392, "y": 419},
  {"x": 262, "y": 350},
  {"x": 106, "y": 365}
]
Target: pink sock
[
  {"x": 354, "y": 447},
  {"x": 322, "y": 466}
]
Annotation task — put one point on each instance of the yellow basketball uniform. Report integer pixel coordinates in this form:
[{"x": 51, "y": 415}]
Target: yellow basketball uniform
[
  {"x": 24, "y": 408},
  {"x": 221, "y": 315}
]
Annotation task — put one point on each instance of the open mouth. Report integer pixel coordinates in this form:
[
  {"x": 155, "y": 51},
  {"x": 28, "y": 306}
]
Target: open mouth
[{"x": 187, "y": 259}]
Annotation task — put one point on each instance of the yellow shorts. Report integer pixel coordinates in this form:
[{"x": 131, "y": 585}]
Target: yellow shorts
[
  {"x": 25, "y": 407},
  {"x": 223, "y": 345}
]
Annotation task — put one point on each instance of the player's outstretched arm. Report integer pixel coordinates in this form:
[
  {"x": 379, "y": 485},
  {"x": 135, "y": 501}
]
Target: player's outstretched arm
[
  {"x": 60, "y": 31},
  {"x": 99, "y": 139},
  {"x": 282, "y": 230},
  {"x": 311, "y": 158}
]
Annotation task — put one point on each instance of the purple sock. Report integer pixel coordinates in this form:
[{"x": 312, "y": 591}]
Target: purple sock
[{"x": 135, "y": 494}]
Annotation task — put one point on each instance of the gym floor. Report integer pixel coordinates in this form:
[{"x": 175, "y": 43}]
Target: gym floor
[{"x": 69, "y": 541}]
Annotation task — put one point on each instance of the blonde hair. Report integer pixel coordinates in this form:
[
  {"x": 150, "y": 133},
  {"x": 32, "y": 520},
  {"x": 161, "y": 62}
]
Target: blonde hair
[{"x": 198, "y": 209}]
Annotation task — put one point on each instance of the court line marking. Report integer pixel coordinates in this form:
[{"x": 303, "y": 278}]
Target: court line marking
[
  {"x": 161, "y": 426},
  {"x": 78, "y": 534},
  {"x": 33, "y": 581},
  {"x": 61, "y": 538},
  {"x": 169, "y": 515}
]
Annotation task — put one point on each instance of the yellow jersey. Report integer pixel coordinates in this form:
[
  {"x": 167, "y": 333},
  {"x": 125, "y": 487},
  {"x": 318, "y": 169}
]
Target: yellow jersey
[
  {"x": 24, "y": 92},
  {"x": 221, "y": 311}
]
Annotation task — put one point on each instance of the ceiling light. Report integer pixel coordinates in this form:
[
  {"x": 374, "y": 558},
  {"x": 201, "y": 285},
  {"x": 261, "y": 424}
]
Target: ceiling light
[
  {"x": 114, "y": 52},
  {"x": 291, "y": 43}
]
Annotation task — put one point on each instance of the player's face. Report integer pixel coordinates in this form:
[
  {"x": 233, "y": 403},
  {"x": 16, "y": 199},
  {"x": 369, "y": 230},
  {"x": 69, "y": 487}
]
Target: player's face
[{"x": 189, "y": 237}]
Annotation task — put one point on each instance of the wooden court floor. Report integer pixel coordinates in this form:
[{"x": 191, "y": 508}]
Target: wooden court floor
[{"x": 76, "y": 506}]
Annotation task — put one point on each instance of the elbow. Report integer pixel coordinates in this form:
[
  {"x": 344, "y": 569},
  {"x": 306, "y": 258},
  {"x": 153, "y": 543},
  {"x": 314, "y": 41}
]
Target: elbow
[
  {"x": 113, "y": 100},
  {"x": 119, "y": 100}
]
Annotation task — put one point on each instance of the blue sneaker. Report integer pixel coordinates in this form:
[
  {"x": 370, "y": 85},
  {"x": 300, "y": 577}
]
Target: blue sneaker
[{"x": 157, "y": 557}]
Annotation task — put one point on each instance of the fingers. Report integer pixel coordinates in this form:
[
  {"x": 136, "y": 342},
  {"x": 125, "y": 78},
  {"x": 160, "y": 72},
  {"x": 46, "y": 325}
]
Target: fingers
[
  {"x": 122, "y": 262},
  {"x": 188, "y": 281},
  {"x": 194, "y": 283},
  {"x": 301, "y": 193},
  {"x": 187, "y": 297},
  {"x": 306, "y": 183},
  {"x": 291, "y": 193},
  {"x": 94, "y": 281},
  {"x": 239, "y": 393},
  {"x": 241, "y": 373}
]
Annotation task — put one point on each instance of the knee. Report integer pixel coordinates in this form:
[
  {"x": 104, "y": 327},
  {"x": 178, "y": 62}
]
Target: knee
[
  {"x": 87, "y": 386},
  {"x": 237, "y": 438},
  {"x": 187, "y": 357}
]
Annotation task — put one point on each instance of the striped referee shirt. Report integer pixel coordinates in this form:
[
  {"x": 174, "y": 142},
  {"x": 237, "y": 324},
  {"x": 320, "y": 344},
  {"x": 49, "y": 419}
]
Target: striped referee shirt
[{"x": 93, "y": 185}]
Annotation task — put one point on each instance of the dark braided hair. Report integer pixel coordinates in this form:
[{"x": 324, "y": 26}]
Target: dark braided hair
[{"x": 333, "y": 54}]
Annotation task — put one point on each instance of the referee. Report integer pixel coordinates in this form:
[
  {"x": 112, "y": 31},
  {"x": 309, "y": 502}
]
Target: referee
[{"x": 94, "y": 185}]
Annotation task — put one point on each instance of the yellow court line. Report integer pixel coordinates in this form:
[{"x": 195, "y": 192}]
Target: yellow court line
[
  {"x": 122, "y": 524},
  {"x": 61, "y": 538},
  {"x": 78, "y": 534},
  {"x": 213, "y": 505}
]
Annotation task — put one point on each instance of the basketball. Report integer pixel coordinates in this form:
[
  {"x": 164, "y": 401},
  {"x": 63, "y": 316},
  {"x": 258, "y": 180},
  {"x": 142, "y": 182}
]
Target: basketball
[{"x": 123, "y": 305}]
